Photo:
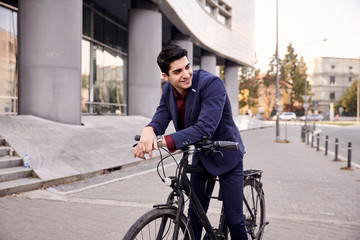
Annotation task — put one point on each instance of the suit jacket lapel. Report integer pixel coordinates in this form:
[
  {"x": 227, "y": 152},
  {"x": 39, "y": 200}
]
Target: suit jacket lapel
[
  {"x": 190, "y": 99},
  {"x": 173, "y": 109}
]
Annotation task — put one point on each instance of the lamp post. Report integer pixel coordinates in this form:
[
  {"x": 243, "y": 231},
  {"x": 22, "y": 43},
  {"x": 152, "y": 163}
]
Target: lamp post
[
  {"x": 277, "y": 77},
  {"x": 358, "y": 99}
]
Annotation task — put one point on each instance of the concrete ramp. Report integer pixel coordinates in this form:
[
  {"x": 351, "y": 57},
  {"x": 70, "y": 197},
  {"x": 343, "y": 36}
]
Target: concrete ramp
[
  {"x": 59, "y": 150},
  {"x": 62, "y": 152}
]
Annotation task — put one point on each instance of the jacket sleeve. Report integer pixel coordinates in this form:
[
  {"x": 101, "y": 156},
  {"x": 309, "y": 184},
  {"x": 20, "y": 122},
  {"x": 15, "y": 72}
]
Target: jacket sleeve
[
  {"x": 162, "y": 116},
  {"x": 213, "y": 98}
]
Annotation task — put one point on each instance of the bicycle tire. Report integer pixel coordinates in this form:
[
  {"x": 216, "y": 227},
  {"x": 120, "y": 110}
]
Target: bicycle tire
[
  {"x": 253, "y": 188},
  {"x": 148, "y": 226}
]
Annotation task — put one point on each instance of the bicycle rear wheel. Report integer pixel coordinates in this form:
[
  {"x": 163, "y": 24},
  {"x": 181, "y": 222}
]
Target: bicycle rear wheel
[
  {"x": 254, "y": 208},
  {"x": 159, "y": 224}
]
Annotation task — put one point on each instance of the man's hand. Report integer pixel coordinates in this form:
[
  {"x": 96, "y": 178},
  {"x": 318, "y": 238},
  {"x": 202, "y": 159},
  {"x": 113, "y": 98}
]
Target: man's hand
[{"x": 146, "y": 144}]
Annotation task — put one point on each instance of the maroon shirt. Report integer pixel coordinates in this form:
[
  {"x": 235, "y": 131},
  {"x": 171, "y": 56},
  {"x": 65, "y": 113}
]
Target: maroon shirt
[{"x": 181, "y": 105}]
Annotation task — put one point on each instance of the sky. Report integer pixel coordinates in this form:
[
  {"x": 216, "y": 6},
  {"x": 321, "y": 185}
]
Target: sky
[{"x": 306, "y": 23}]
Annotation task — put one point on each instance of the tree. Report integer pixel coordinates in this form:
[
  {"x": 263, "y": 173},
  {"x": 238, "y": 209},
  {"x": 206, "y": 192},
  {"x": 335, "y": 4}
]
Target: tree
[
  {"x": 288, "y": 65},
  {"x": 248, "y": 87},
  {"x": 348, "y": 100},
  {"x": 298, "y": 86},
  {"x": 293, "y": 72},
  {"x": 268, "y": 88}
]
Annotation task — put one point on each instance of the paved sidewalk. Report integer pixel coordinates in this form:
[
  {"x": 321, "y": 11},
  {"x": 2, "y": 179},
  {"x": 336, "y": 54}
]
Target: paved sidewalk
[{"x": 307, "y": 195}]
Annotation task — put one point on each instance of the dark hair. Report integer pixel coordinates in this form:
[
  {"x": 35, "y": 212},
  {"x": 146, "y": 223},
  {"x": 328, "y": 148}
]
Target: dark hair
[{"x": 168, "y": 55}]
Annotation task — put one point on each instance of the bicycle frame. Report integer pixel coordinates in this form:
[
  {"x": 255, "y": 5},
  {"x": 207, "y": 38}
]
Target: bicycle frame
[{"x": 184, "y": 185}]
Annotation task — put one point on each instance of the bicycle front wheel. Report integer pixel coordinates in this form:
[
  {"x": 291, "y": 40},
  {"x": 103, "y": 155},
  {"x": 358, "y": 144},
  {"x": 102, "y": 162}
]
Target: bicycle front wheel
[
  {"x": 254, "y": 208},
  {"x": 159, "y": 224}
]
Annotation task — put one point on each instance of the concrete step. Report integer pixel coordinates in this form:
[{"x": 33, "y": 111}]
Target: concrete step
[
  {"x": 12, "y": 173},
  {"x": 4, "y": 150},
  {"x": 10, "y": 161},
  {"x": 19, "y": 185}
]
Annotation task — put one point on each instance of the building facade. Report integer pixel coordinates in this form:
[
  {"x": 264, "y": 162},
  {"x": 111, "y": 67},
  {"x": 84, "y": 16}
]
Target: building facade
[
  {"x": 64, "y": 59},
  {"x": 330, "y": 78}
]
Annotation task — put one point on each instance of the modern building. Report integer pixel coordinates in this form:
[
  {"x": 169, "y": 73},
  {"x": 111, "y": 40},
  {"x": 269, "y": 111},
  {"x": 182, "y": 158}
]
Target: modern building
[
  {"x": 63, "y": 59},
  {"x": 330, "y": 78}
]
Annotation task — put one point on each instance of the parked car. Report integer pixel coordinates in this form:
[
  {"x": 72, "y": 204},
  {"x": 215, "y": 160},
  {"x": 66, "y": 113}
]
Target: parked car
[
  {"x": 287, "y": 116},
  {"x": 313, "y": 117}
]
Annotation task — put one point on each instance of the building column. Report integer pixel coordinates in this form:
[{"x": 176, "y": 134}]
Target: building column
[
  {"x": 145, "y": 36},
  {"x": 186, "y": 44},
  {"x": 50, "y": 35},
  {"x": 208, "y": 63},
  {"x": 232, "y": 87}
]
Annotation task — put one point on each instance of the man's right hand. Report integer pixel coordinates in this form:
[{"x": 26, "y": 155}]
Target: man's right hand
[{"x": 146, "y": 144}]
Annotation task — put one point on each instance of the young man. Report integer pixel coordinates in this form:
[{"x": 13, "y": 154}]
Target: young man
[{"x": 198, "y": 105}]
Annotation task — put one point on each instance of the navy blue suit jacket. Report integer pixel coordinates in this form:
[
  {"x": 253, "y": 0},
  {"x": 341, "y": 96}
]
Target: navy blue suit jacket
[{"x": 207, "y": 113}]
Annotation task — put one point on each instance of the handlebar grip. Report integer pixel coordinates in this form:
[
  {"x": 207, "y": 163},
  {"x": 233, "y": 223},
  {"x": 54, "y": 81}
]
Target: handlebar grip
[{"x": 232, "y": 146}]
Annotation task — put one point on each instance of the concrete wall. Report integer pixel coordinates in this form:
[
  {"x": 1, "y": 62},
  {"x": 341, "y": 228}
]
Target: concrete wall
[
  {"x": 50, "y": 35},
  {"x": 144, "y": 73},
  {"x": 232, "y": 87},
  {"x": 235, "y": 42},
  {"x": 319, "y": 72}
]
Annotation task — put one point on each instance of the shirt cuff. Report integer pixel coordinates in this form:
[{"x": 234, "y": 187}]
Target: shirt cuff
[{"x": 170, "y": 143}]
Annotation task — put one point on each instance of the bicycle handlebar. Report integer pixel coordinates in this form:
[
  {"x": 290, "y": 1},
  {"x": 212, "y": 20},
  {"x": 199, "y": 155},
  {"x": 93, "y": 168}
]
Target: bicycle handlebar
[
  {"x": 233, "y": 146},
  {"x": 207, "y": 144}
]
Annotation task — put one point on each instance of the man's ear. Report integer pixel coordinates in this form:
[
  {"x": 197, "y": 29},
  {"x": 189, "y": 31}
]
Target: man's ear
[{"x": 164, "y": 76}]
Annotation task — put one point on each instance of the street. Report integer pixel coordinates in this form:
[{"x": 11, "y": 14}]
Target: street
[
  {"x": 307, "y": 195},
  {"x": 344, "y": 134}
]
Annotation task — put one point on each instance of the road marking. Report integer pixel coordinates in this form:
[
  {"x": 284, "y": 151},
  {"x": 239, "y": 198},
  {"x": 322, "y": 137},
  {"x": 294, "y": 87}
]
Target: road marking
[
  {"x": 307, "y": 219},
  {"x": 340, "y": 157},
  {"x": 54, "y": 190}
]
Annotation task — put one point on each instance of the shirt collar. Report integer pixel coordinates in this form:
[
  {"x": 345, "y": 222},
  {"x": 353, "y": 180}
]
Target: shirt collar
[{"x": 178, "y": 95}]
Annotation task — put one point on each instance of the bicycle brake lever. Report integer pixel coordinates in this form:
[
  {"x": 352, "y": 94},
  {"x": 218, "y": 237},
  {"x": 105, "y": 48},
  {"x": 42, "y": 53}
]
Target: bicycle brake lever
[{"x": 222, "y": 155}]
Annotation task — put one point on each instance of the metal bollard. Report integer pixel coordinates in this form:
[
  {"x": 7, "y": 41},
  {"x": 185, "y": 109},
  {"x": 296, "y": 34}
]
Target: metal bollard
[
  {"x": 349, "y": 155},
  {"x": 307, "y": 137},
  {"x": 312, "y": 139},
  {"x": 336, "y": 149},
  {"x": 326, "y": 144},
  {"x": 318, "y": 142}
]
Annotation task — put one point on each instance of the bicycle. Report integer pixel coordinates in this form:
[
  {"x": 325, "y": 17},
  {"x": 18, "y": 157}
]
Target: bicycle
[{"x": 168, "y": 221}]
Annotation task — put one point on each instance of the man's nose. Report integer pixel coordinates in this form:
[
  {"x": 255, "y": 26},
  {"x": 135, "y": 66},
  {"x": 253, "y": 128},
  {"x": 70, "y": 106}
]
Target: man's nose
[{"x": 186, "y": 74}]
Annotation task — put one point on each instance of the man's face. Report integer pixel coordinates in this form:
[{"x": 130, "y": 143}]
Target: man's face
[{"x": 180, "y": 74}]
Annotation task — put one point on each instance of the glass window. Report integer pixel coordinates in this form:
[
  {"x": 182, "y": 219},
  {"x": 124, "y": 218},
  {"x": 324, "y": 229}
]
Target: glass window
[
  {"x": 332, "y": 95},
  {"x": 110, "y": 34},
  {"x": 210, "y": 9},
  {"x": 221, "y": 18},
  {"x": 109, "y": 84},
  {"x": 122, "y": 42},
  {"x": 86, "y": 20},
  {"x": 98, "y": 28},
  {"x": 8, "y": 69},
  {"x": 85, "y": 75},
  {"x": 105, "y": 92},
  {"x": 332, "y": 80},
  {"x": 104, "y": 62}
]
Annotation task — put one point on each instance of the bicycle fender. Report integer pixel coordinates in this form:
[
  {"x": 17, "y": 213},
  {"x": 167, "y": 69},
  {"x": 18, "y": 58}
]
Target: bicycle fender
[{"x": 162, "y": 206}]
